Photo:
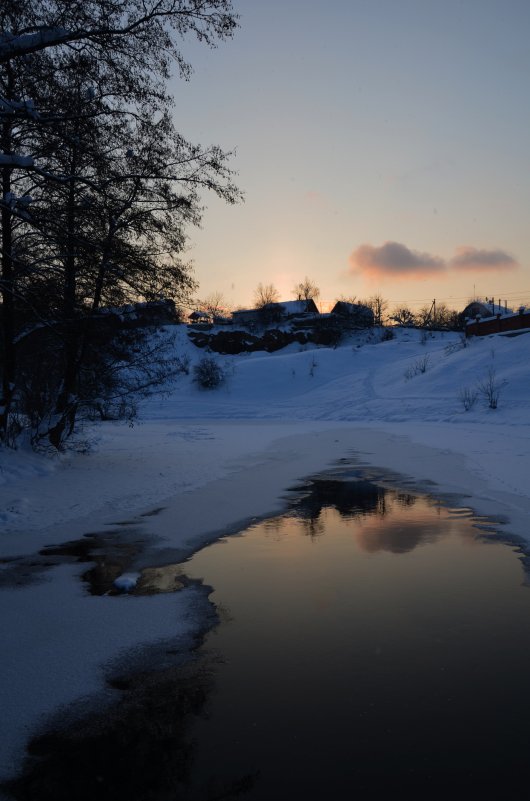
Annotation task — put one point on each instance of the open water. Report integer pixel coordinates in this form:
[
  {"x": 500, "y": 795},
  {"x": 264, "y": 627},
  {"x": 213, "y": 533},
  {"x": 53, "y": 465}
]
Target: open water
[{"x": 373, "y": 644}]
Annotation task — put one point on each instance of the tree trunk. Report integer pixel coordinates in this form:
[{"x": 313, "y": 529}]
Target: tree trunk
[
  {"x": 66, "y": 405},
  {"x": 8, "y": 311}
]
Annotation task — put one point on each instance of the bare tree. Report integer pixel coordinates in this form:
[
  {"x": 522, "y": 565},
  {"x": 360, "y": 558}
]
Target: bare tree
[
  {"x": 265, "y": 294},
  {"x": 490, "y": 388},
  {"x": 306, "y": 290},
  {"x": 402, "y": 315},
  {"x": 438, "y": 315},
  {"x": 379, "y": 306},
  {"x": 214, "y": 304}
]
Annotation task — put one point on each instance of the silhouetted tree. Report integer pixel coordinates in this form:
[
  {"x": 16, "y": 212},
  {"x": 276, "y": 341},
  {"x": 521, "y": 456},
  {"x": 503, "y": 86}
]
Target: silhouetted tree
[
  {"x": 214, "y": 304},
  {"x": 438, "y": 315},
  {"x": 402, "y": 315},
  {"x": 265, "y": 294},
  {"x": 379, "y": 306},
  {"x": 306, "y": 290},
  {"x": 98, "y": 187}
]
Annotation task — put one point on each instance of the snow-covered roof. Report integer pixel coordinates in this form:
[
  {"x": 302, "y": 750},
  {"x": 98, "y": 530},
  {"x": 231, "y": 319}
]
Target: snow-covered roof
[
  {"x": 287, "y": 307},
  {"x": 294, "y": 306},
  {"x": 485, "y": 308}
]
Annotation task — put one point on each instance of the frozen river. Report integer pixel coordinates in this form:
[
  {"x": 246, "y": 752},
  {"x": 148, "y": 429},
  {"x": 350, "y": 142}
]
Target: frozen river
[{"x": 373, "y": 643}]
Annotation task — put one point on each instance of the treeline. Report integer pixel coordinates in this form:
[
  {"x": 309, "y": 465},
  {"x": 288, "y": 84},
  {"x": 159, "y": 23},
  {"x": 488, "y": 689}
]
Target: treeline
[{"x": 98, "y": 189}]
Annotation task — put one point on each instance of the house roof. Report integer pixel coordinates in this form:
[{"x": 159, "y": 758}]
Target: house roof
[
  {"x": 485, "y": 309},
  {"x": 344, "y": 307},
  {"x": 288, "y": 307},
  {"x": 296, "y": 306}
]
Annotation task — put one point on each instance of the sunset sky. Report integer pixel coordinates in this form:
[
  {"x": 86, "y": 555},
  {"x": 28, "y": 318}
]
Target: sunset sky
[{"x": 382, "y": 145}]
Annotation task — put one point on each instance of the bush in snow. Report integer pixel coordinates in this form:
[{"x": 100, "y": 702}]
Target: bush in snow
[
  {"x": 467, "y": 397},
  {"x": 419, "y": 366},
  {"x": 490, "y": 388},
  {"x": 208, "y": 373}
]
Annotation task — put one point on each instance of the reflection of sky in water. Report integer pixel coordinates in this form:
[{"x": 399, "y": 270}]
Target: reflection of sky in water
[
  {"x": 379, "y": 651},
  {"x": 408, "y": 519}
]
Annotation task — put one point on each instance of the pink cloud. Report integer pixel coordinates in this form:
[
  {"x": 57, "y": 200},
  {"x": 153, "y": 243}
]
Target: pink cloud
[
  {"x": 394, "y": 260},
  {"x": 473, "y": 259}
]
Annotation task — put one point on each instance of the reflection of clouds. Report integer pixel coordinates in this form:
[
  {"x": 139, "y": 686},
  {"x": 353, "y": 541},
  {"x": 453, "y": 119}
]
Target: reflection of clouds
[
  {"x": 395, "y": 537},
  {"x": 382, "y": 519}
]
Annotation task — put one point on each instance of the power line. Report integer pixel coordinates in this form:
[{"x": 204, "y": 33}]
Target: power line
[{"x": 502, "y": 295}]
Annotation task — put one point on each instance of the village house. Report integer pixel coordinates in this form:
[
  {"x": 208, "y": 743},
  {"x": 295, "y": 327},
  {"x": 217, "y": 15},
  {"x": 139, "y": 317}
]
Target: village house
[
  {"x": 485, "y": 308},
  {"x": 516, "y": 322},
  {"x": 354, "y": 315},
  {"x": 275, "y": 312}
]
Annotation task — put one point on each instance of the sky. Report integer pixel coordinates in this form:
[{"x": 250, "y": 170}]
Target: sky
[{"x": 382, "y": 146}]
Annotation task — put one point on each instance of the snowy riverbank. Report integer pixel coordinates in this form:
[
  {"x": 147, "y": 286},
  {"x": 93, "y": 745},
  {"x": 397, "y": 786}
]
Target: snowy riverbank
[{"x": 210, "y": 459}]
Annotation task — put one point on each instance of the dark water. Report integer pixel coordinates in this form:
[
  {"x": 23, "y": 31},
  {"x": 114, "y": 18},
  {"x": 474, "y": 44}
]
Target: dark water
[{"x": 375, "y": 645}]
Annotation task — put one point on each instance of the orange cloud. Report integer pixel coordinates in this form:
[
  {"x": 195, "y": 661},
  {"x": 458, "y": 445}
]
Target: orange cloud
[
  {"x": 472, "y": 259},
  {"x": 394, "y": 260},
  {"x": 394, "y": 537}
]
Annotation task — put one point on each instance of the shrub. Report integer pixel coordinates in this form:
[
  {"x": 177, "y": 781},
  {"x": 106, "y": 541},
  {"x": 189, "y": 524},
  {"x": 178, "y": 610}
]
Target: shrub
[
  {"x": 419, "y": 366},
  {"x": 208, "y": 373},
  {"x": 468, "y": 396},
  {"x": 490, "y": 388}
]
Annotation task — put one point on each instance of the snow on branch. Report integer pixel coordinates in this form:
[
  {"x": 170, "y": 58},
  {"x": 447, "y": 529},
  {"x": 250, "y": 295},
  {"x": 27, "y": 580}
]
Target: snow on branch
[
  {"x": 182, "y": 16},
  {"x": 16, "y": 160},
  {"x": 13, "y": 45}
]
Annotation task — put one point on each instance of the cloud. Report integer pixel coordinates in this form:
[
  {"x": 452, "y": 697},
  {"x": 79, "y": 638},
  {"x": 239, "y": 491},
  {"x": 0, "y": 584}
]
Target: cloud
[
  {"x": 394, "y": 537},
  {"x": 474, "y": 259},
  {"x": 394, "y": 260}
]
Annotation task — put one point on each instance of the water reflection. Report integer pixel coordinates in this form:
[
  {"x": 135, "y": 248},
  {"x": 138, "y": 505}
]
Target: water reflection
[
  {"x": 366, "y": 503},
  {"x": 382, "y": 657},
  {"x": 349, "y": 498},
  {"x": 377, "y": 657},
  {"x": 396, "y": 536}
]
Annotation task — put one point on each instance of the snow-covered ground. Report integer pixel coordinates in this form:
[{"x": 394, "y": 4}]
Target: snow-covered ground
[{"x": 212, "y": 459}]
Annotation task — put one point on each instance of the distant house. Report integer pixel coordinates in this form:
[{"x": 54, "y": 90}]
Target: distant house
[
  {"x": 200, "y": 317},
  {"x": 516, "y": 322},
  {"x": 275, "y": 312},
  {"x": 486, "y": 308},
  {"x": 294, "y": 308},
  {"x": 355, "y": 315},
  {"x": 247, "y": 316}
]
